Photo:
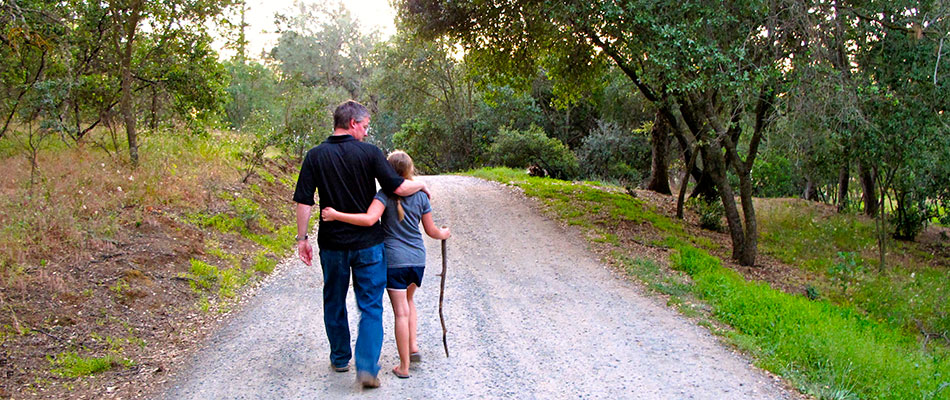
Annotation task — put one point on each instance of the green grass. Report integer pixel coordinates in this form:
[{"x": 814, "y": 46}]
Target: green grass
[
  {"x": 263, "y": 263},
  {"x": 799, "y": 235},
  {"x": 209, "y": 278},
  {"x": 907, "y": 297},
  {"x": 857, "y": 342},
  {"x": 72, "y": 365},
  {"x": 203, "y": 276},
  {"x": 817, "y": 344},
  {"x": 586, "y": 205}
]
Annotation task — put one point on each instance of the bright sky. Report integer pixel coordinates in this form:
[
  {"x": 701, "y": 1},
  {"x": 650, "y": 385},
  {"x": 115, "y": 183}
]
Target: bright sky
[{"x": 260, "y": 33}]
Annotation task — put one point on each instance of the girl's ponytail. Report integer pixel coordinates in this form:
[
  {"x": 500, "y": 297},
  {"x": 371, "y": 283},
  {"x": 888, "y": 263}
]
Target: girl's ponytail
[
  {"x": 403, "y": 165},
  {"x": 399, "y": 210}
]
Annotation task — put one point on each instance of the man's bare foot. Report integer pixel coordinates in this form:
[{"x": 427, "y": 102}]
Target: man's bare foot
[{"x": 402, "y": 374}]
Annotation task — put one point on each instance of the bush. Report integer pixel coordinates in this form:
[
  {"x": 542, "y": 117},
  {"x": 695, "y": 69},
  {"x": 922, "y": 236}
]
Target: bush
[
  {"x": 909, "y": 220},
  {"x": 519, "y": 149},
  {"x": 436, "y": 147},
  {"x": 846, "y": 270},
  {"x": 612, "y": 154},
  {"x": 710, "y": 213},
  {"x": 774, "y": 176}
]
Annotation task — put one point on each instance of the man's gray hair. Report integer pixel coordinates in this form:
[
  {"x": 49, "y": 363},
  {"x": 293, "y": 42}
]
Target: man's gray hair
[{"x": 349, "y": 110}]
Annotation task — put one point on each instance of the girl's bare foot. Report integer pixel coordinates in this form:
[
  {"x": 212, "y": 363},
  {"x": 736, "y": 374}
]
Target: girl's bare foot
[{"x": 402, "y": 374}]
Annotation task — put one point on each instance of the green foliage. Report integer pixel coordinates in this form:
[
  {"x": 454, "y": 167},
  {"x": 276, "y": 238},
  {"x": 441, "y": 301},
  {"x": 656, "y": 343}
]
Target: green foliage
[
  {"x": 823, "y": 348},
  {"x": 247, "y": 210},
  {"x": 774, "y": 176},
  {"x": 70, "y": 56},
  {"x": 232, "y": 279},
  {"x": 263, "y": 263},
  {"x": 519, "y": 149},
  {"x": 612, "y": 154},
  {"x": 437, "y": 148},
  {"x": 710, "y": 212},
  {"x": 206, "y": 277},
  {"x": 221, "y": 222},
  {"x": 826, "y": 345},
  {"x": 799, "y": 233},
  {"x": 912, "y": 299},
  {"x": 846, "y": 270},
  {"x": 203, "y": 275},
  {"x": 275, "y": 241},
  {"x": 909, "y": 220},
  {"x": 589, "y": 206},
  {"x": 72, "y": 365},
  {"x": 422, "y": 82},
  {"x": 253, "y": 89},
  {"x": 320, "y": 45}
]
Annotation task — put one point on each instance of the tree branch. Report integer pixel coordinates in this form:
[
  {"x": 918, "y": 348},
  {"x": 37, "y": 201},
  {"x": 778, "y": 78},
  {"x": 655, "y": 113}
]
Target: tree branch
[
  {"x": 630, "y": 72},
  {"x": 916, "y": 29}
]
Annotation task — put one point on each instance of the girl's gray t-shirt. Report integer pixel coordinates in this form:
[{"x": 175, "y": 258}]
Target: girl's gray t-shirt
[{"x": 403, "y": 240}]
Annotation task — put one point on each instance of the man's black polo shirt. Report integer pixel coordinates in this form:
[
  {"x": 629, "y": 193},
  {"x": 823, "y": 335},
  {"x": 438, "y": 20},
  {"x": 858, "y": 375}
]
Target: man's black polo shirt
[{"x": 342, "y": 170}]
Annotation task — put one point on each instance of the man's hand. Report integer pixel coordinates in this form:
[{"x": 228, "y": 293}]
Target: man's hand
[
  {"x": 303, "y": 246},
  {"x": 409, "y": 187},
  {"x": 305, "y": 251},
  {"x": 425, "y": 189}
]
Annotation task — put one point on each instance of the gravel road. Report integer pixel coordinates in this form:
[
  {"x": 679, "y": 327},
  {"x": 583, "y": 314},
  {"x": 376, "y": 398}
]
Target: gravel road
[{"x": 531, "y": 313}]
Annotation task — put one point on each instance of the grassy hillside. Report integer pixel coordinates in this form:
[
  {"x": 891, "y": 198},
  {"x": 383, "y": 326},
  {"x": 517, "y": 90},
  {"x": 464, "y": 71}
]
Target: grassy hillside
[
  {"x": 816, "y": 310},
  {"x": 109, "y": 273}
]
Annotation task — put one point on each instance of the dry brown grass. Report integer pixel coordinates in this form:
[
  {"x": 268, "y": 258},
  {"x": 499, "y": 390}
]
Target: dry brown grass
[
  {"x": 95, "y": 256},
  {"x": 82, "y": 192}
]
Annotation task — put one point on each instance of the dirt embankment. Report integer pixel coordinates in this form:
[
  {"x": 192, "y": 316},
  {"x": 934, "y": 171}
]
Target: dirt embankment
[{"x": 126, "y": 300}]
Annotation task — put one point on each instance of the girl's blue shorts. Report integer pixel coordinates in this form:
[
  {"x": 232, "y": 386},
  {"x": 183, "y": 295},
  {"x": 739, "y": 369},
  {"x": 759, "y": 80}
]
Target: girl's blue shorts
[{"x": 400, "y": 278}]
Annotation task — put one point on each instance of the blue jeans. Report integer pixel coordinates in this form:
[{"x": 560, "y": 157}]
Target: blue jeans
[{"x": 368, "y": 267}]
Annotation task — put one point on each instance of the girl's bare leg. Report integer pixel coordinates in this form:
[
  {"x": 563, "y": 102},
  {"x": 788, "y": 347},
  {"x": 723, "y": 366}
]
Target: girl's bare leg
[
  {"x": 401, "y": 313},
  {"x": 413, "y": 345}
]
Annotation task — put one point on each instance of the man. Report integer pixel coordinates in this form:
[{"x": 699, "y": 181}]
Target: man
[{"x": 342, "y": 170}]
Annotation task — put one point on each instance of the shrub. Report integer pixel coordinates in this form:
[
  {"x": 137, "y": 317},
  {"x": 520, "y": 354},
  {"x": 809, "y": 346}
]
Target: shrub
[
  {"x": 519, "y": 149},
  {"x": 710, "y": 213},
  {"x": 437, "y": 147},
  {"x": 909, "y": 220},
  {"x": 846, "y": 270},
  {"x": 773, "y": 175},
  {"x": 612, "y": 154}
]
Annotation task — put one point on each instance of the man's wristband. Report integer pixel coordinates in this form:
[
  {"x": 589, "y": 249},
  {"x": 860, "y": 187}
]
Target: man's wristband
[{"x": 305, "y": 237}]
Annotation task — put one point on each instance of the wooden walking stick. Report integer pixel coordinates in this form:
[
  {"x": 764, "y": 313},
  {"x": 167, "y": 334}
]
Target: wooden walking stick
[{"x": 442, "y": 295}]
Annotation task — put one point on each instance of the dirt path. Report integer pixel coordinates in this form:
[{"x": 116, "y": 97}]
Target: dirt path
[{"x": 530, "y": 313}]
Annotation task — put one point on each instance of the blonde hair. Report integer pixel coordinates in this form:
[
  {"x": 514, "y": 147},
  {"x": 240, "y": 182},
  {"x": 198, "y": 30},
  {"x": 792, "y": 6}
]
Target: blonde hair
[{"x": 403, "y": 165}]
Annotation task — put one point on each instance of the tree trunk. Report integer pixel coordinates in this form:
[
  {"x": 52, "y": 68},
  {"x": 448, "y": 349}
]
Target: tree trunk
[
  {"x": 715, "y": 168},
  {"x": 125, "y": 103},
  {"x": 682, "y": 193},
  {"x": 750, "y": 246},
  {"x": 660, "y": 180},
  {"x": 868, "y": 190},
  {"x": 153, "y": 124},
  {"x": 705, "y": 186},
  {"x": 811, "y": 191},
  {"x": 844, "y": 176}
]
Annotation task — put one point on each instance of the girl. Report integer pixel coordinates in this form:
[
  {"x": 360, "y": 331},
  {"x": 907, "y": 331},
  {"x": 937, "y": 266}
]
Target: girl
[{"x": 405, "y": 252}]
